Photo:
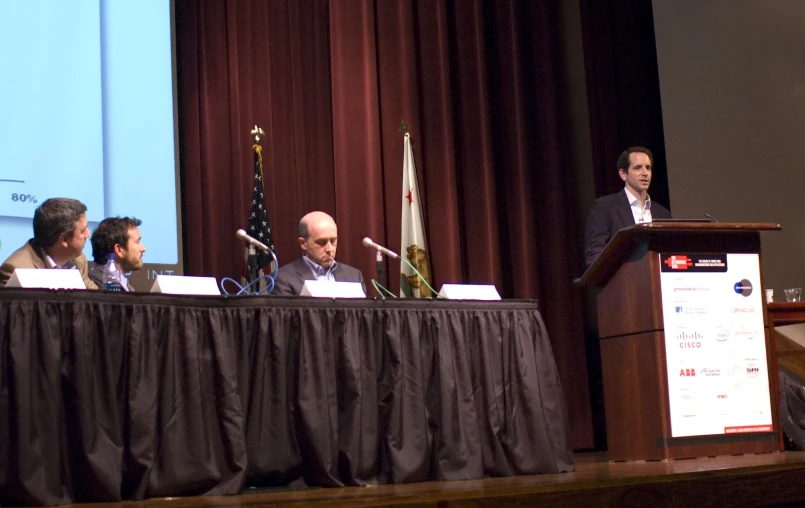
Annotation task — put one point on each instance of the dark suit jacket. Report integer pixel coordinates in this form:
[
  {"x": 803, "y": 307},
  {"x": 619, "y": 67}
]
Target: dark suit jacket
[
  {"x": 96, "y": 276},
  {"x": 609, "y": 215},
  {"x": 29, "y": 256},
  {"x": 292, "y": 277}
]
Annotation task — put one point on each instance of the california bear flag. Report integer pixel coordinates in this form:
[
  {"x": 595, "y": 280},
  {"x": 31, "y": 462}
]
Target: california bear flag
[{"x": 413, "y": 245}]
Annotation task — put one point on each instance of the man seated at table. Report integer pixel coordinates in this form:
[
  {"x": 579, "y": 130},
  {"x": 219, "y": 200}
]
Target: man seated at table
[
  {"x": 318, "y": 239},
  {"x": 626, "y": 207},
  {"x": 121, "y": 238},
  {"x": 60, "y": 232}
]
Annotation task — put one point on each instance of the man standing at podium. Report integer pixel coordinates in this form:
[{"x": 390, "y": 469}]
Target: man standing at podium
[
  {"x": 318, "y": 239},
  {"x": 627, "y": 207}
]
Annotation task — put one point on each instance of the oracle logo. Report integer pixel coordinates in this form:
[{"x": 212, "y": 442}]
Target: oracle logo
[{"x": 743, "y": 310}]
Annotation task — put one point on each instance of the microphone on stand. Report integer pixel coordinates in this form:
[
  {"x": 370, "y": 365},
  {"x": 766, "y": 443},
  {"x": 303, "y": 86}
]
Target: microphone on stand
[
  {"x": 251, "y": 263},
  {"x": 243, "y": 235},
  {"x": 380, "y": 265},
  {"x": 367, "y": 242},
  {"x": 712, "y": 219}
]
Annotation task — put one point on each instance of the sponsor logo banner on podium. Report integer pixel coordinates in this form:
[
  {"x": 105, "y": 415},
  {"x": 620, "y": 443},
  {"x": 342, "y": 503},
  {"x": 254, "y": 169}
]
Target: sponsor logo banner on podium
[{"x": 715, "y": 344}]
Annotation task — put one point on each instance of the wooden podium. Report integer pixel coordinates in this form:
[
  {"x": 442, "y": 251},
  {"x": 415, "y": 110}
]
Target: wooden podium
[{"x": 632, "y": 339}]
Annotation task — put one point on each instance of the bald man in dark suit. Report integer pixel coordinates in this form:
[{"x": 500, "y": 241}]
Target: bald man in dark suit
[{"x": 318, "y": 239}]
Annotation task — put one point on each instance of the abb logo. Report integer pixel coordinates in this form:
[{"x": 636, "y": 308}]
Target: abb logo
[{"x": 687, "y": 372}]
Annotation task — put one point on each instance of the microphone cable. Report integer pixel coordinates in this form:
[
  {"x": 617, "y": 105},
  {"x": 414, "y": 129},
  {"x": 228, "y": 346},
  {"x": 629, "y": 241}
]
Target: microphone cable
[
  {"x": 423, "y": 279},
  {"x": 378, "y": 286},
  {"x": 269, "y": 279}
]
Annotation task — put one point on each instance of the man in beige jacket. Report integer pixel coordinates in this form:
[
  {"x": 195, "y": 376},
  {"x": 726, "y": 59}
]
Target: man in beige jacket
[{"x": 60, "y": 232}]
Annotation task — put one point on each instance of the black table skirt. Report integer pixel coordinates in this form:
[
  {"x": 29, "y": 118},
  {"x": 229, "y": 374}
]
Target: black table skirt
[{"x": 107, "y": 397}]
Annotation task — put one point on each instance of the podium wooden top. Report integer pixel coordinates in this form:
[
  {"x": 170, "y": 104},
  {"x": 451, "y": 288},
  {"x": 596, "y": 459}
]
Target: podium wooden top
[{"x": 621, "y": 245}]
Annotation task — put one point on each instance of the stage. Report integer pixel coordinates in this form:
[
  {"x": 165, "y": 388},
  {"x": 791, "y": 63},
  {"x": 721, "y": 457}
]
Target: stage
[{"x": 772, "y": 479}]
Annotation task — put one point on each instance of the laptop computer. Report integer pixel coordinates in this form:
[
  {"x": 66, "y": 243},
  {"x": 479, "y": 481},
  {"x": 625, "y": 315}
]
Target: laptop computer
[{"x": 681, "y": 220}]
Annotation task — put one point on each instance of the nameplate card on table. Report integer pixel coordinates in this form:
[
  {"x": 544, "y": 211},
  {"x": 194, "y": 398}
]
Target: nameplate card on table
[
  {"x": 185, "y": 285},
  {"x": 45, "y": 279},
  {"x": 469, "y": 292},
  {"x": 332, "y": 289}
]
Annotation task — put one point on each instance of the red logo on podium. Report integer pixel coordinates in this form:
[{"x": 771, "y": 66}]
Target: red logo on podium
[{"x": 679, "y": 262}]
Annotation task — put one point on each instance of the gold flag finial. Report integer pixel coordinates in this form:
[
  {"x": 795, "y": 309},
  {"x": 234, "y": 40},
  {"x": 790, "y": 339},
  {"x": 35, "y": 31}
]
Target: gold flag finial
[
  {"x": 257, "y": 132},
  {"x": 403, "y": 126}
]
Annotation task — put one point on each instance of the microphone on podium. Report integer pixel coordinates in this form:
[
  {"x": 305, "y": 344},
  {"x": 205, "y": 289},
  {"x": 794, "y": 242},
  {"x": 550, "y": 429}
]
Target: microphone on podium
[
  {"x": 243, "y": 235},
  {"x": 367, "y": 242}
]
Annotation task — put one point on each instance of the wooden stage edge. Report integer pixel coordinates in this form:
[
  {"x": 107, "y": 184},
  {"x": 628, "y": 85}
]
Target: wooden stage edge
[{"x": 770, "y": 479}]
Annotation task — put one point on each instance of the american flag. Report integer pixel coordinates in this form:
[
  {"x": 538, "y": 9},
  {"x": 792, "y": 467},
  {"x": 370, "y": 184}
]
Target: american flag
[{"x": 257, "y": 263}]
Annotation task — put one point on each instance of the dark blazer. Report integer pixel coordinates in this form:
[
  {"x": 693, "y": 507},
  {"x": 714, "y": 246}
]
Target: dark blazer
[
  {"x": 29, "y": 256},
  {"x": 609, "y": 215},
  {"x": 96, "y": 276},
  {"x": 292, "y": 277}
]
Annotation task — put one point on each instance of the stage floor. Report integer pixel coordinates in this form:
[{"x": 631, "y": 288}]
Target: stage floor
[{"x": 772, "y": 479}]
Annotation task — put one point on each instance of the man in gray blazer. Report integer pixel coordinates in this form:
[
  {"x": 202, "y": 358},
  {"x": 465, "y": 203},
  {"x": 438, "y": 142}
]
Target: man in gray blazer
[
  {"x": 626, "y": 207},
  {"x": 318, "y": 239}
]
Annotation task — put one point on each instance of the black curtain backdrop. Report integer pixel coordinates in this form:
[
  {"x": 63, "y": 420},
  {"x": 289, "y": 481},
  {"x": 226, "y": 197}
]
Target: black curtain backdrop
[
  {"x": 483, "y": 86},
  {"x": 623, "y": 86}
]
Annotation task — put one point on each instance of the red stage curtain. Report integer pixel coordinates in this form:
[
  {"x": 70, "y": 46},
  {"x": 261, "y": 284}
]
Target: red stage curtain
[{"x": 481, "y": 85}]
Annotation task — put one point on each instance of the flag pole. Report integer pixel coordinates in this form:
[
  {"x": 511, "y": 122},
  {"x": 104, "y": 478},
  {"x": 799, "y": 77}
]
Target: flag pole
[
  {"x": 259, "y": 228},
  {"x": 257, "y": 132},
  {"x": 413, "y": 245}
]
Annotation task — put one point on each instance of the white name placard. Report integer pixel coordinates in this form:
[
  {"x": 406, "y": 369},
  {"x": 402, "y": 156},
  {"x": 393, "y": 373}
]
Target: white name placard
[
  {"x": 45, "y": 278},
  {"x": 469, "y": 292},
  {"x": 715, "y": 344},
  {"x": 332, "y": 289},
  {"x": 185, "y": 285}
]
